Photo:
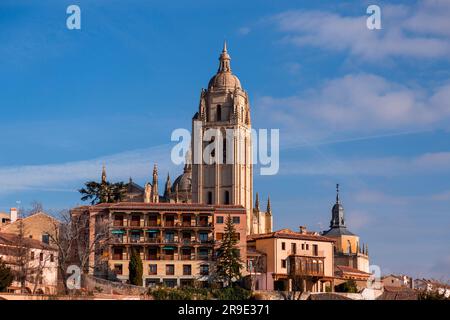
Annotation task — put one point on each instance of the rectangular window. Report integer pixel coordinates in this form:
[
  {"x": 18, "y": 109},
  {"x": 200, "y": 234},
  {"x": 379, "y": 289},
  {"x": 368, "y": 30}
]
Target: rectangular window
[
  {"x": 294, "y": 248},
  {"x": 187, "y": 269},
  {"x": 315, "y": 250},
  {"x": 283, "y": 246},
  {"x": 170, "y": 236},
  {"x": 52, "y": 258},
  {"x": 219, "y": 220},
  {"x": 152, "y": 221},
  {"x": 303, "y": 246},
  {"x": 204, "y": 269},
  {"x": 41, "y": 256},
  {"x": 46, "y": 238},
  {"x": 283, "y": 263},
  {"x": 152, "y": 254},
  {"x": 203, "y": 254},
  {"x": 307, "y": 246},
  {"x": 135, "y": 236},
  {"x": 203, "y": 237},
  {"x": 170, "y": 221},
  {"x": 237, "y": 236},
  {"x": 152, "y": 269},
  {"x": 236, "y": 220},
  {"x": 117, "y": 254},
  {"x": 118, "y": 221},
  {"x": 219, "y": 236},
  {"x": 210, "y": 199},
  {"x": 32, "y": 255},
  {"x": 170, "y": 283},
  {"x": 118, "y": 269},
  {"x": 170, "y": 269},
  {"x": 135, "y": 221}
]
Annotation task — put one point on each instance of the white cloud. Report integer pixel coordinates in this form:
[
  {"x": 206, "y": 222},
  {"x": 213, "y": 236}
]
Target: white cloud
[
  {"x": 357, "y": 220},
  {"x": 443, "y": 196},
  {"x": 428, "y": 163},
  {"x": 420, "y": 31},
  {"x": 358, "y": 103},
  {"x": 137, "y": 164}
]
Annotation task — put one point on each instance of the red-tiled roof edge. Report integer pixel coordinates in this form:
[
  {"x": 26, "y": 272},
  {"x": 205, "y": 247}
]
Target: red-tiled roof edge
[{"x": 290, "y": 235}]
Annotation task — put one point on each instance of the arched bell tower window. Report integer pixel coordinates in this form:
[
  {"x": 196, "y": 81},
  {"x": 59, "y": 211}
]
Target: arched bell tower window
[
  {"x": 219, "y": 113},
  {"x": 209, "y": 197},
  {"x": 224, "y": 150},
  {"x": 227, "y": 197}
]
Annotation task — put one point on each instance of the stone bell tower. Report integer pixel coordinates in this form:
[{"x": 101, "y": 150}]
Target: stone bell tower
[{"x": 226, "y": 177}]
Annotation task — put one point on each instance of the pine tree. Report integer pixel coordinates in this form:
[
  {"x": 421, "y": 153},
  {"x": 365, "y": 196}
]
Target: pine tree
[
  {"x": 6, "y": 276},
  {"x": 135, "y": 268},
  {"x": 228, "y": 263}
]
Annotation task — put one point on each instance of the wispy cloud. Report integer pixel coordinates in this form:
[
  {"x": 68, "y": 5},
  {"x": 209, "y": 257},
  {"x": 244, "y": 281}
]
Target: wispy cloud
[
  {"x": 427, "y": 163},
  {"x": 65, "y": 176},
  {"x": 359, "y": 104},
  {"x": 418, "y": 31}
]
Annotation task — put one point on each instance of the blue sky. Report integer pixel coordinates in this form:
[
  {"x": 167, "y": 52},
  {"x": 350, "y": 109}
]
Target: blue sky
[{"x": 369, "y": 109}]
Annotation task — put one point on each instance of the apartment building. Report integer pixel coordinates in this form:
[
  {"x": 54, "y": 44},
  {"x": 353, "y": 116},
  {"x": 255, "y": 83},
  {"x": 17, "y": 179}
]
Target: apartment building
[{"x": 177, "y": 242}]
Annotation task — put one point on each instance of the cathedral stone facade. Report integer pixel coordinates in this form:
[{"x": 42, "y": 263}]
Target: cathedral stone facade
[{"x": 223, "y": 122}]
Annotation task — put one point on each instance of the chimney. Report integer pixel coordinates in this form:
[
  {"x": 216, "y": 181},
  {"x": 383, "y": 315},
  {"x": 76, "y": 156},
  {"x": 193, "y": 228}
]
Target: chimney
[
  {"x": 13, "y": 214},
  {"x": 302, "y": 229}
]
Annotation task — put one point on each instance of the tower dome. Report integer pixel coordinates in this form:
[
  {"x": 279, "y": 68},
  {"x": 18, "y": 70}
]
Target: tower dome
[{"x": 224, "y": 79}]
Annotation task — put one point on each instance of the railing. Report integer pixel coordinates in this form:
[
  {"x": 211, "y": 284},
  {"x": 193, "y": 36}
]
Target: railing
[{"x": 305, "y": 266}]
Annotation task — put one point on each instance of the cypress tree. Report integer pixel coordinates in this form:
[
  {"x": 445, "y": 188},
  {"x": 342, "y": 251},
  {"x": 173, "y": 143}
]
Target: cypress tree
[
  {"x": 135, "y": 268},
  {"x": 228, "y": 263}
]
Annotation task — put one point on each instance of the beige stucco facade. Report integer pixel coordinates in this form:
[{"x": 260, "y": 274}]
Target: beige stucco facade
[{"x": 283, "y": 246}]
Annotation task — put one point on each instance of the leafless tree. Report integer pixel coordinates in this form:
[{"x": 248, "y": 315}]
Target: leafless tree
[
  {"x": 23, "y": 256},
  {"x": 75, "y": 244},
  {"x": 27, "y": 270},
  {"x": 257, "y": 267}
]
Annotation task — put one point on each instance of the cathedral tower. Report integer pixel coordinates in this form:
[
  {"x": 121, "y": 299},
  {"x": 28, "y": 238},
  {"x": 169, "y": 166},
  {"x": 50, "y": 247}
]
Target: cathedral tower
[{"x": 227, "y": 177}]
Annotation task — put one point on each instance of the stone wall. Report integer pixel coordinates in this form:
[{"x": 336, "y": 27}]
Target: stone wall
[{"x": 95, "y": 284}]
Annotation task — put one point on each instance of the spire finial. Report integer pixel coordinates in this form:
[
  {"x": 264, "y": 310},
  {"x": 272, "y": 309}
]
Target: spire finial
[
  {"x": 337, "y": 193},
  {"x": 257, "y": 201},
  {"x": 103, "y": 173},
  {"x": 269, "y": 208},
  {"x": 224, "y": 59}
]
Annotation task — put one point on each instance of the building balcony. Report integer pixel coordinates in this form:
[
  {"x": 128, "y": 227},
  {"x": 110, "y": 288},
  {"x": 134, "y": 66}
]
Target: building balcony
[{"x": 305, "y": 266}]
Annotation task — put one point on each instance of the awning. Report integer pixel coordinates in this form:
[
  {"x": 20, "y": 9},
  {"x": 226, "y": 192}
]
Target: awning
[
  {"x": 152, "y": 231},
  {"x": 117, "y": 232},
  {"x": 169, "y": 248}
]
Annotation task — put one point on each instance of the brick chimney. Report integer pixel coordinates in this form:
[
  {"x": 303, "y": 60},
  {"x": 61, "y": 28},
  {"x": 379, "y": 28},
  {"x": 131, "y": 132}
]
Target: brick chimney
[
  {"x": 303, "y": 229},
  {"x": 13, "y": 214}
]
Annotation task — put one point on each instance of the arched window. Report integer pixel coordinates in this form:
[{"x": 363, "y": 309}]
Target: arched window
[
  {"x": 225, "y": 150},
  {"x": 219, "y": 113},
  {"x": 227, "y": 197},
  {"x": 209, "y": 197}
]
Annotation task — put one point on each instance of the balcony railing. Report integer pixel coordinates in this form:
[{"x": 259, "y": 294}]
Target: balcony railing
[{"x": 305, "y": 266}]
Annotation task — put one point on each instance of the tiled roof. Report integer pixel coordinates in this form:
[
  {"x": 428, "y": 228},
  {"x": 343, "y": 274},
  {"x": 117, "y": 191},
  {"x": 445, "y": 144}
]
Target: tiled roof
[
  {"x": 11, "y": 239},
  {"x": 398, "y": 293},
  {"x": 289, "y": 234},
  {"x": 346, "y": 269}
]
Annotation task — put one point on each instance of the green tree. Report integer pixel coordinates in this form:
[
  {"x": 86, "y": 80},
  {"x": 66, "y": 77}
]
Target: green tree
[
  {"x": 103, "y": 192},
  {"x": 6, "y": 276},
  {"x": 135, "y": 268},
  {"x": 349, "y": 286},
  {"x": 228, "y": 263}
]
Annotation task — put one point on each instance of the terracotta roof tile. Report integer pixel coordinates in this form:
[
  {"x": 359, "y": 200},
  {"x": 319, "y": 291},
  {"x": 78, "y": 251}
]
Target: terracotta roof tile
[{"x": 289, "y": 234}]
